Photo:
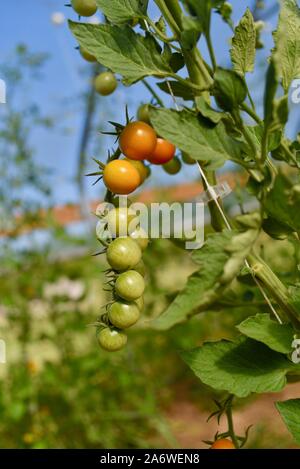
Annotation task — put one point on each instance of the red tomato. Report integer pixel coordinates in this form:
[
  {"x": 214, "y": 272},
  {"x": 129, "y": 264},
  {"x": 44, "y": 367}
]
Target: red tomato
[
  {"x": 137, "y": 140},
  {"x": 223, "y": 443},
  {"x": 163, "y": 152}
]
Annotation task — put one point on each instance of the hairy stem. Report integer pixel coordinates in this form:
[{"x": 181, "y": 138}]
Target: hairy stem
[{"x": 230, "y": 423}]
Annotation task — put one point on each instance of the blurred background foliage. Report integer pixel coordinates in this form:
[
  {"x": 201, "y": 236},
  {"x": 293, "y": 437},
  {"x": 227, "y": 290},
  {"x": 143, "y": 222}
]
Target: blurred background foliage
[{"x": 57, "y": 388}]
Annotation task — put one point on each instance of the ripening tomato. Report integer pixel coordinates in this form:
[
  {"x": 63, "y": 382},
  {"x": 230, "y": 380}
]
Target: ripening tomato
[
  {"x": 173, "y": 166},
  {"x": 120, "y": 177},
  {"x": 123, "y": 254},
  {"x": 118, "y": 220},
  {"x": 84, "y": 7},
  {"x": 130, "y": 285},
  {"x": 143, "y": 113},
  {"x": 123, "y": 315},
  {"x": 164, "y": 151},
  {"x": 86, "y": 55},
  {"x": 105, "y": 83},
  {"x": 111, "y": 339},
  {"x": 141, "y": 167},
  {"x": 137, "y": 140},
  {"x": 223, "y": 443},
  {"x": 187, "y": 159}
]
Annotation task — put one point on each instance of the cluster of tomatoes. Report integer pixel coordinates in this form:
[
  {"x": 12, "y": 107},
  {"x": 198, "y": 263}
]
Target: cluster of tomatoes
[
  {"x": 126, "y": 278},
  {"x": 137, "y": 142}
]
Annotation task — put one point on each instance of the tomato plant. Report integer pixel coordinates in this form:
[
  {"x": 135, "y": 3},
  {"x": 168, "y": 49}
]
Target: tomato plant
[
  {"x": 218, "y": 124},
  {"x": 223, "y": 443},
  {"x": 163, "y": 152},
  {"x": 123, "y": 315},
  {"x": 123, "y": 254},
  {"x": 137, "y": 140},
  {"x": 105, "y": 83},
  {"x": 121, "y": 177},
  {"x": 84, "y": 7}
]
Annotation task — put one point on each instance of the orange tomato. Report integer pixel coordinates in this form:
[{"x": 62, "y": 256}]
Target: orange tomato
[
  {"x": 137, "y": 140},
  {"x": 223, "y": 443},
  {"x": 164, "y": 151},
  {"x": 121, "y": 177}
]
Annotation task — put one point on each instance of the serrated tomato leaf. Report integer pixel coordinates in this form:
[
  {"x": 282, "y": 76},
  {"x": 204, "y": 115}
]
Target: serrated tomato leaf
[
  {"x": 278, "y": 337},
  {"x": 122, "y": 50},
  {"x": 219, "y": 261},
  {"x": 241, "y": 367},
  {"x": 290, "y": 413},
  {"x": 196, "y": 136}
]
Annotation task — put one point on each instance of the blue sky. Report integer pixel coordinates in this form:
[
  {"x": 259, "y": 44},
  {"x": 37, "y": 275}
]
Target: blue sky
[{"x": 63, "y": 79}]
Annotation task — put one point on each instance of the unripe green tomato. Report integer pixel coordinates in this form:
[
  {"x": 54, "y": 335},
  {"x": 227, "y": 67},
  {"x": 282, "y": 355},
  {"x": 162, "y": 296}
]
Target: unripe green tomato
[
  {"x": 84, "y": 7},
  {"x": 118, "y": 220},
  {"x": 105, "y": 83},
  {"x": 140, "y": 236},
  {"x": 140, "y": 303},
  {"x": 140, "y": 268},
  {"x": 173, "y": 166},
  {"x": 130, "y": 285},
  {"x": 86, "y": 55},
  {"x": 143, "y": 113},
  {"x": 123, "y": 254},
  {"x": 123, "y": 315},
  {"x": 141, "y": 167},
  {"x": 187, "y": 159},
  {"x": 111, "y": 339}
]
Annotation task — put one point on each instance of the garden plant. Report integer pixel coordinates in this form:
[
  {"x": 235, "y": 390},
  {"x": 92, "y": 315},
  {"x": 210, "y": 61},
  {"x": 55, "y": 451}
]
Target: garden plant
[{"x": 216, "y": 122}]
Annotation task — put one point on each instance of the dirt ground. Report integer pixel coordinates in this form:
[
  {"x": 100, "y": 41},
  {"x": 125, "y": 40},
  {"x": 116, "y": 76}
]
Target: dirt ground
[{"x": 189, "y": 425}]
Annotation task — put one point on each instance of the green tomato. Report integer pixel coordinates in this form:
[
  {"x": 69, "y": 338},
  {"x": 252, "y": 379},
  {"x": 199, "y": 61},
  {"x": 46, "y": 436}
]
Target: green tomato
[
  {"x": 187, "y": 159},
  {"x": 130, "y": 285},
  {"x": 86, "y": 55},
  {"x": 84, "y": 7},
  {"x": 105, "y": 83},
  {"x": 140, "y": 268},
  {"x": 140, "y": 237},
  {"x": 143, "y": 113},
  {"x": 123, "y": 254},
  {"x": 140, "y": 303},
  {"x": 123, "y": 315},
  {"x": 173, "y": 166},
  {"x": 111, "y": 339},
  {"x": 118, "y": 220}
]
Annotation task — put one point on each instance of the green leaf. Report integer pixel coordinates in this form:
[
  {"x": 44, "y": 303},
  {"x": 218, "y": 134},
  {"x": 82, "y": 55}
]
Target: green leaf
[
  {"x": 229, "y": 89},
  {"x": 179, "y": 89},
  {"x": 122, "y": 50},
  {"x": 287, "y": 42},
  {"x": 282, "y": 203},
  {"x": 243, "y": 45},
  {"x": 195, "y": 136},
  {"x": 219, "y": 261},
  {"x": 239, "y": 367},
  {"x": 120, "y": 11},
  {"x": 190, "y": 33},
  {"x": 202, "y": 11},
  {"x": 278, "y": 337},
  {"x": 290, "y": 413},
  {"x": 208, "y": 112}
]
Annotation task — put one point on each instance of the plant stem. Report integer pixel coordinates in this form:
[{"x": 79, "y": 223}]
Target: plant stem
[
  {"x": 168, "y": 17},
  {"x": 251, "y": 113},
  {"x": 153, "y": 92},
  {"x": 211, "y": 51},
  {"x": 160, "y": 34},
  {"x": 275, "y": 287},
  {"x": 230, "y": 423}
]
